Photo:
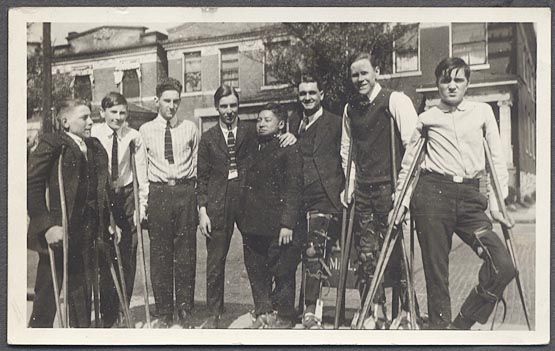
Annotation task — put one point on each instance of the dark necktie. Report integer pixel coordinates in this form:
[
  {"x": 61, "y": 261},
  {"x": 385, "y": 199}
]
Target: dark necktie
[
  {"x": 168, "y": 147},
  {"x": 115, "y": 171},
  {"x": 231, "y": 152},
  {"x": 304, "y": 123}
]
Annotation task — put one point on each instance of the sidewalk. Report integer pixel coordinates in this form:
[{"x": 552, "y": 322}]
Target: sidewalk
[{"x": 522, "y": 214}]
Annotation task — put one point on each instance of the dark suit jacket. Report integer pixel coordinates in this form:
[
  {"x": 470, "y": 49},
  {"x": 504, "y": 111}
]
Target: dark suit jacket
[
  {"x": 272, "y": 196},
  {"x": 42, "y": 173},
  {"x": 212, "y": 167},
  {"x": 327, "y": 157}
]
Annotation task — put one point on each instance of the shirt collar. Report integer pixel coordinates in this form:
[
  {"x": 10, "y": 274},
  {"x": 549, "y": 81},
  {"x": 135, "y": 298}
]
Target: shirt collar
[
  {"x": 109, "y": 131},
  {"x": 162, "y": 120},
  {"x": 78, "y": 140},
  {"x": 461, "y": 107},
  {"x": 225, "y": 128},
  {"x": 312, "y": 118},
  {"x": 375, "y": 91}
]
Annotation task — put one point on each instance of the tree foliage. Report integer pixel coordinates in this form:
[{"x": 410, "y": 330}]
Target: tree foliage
[
  {"x": 325, "y": 48},
  {"x": 61, "y": 88}
]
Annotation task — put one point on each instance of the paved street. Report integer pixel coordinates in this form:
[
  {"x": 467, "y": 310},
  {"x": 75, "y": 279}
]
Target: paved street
[{"x": 464, "y": 265}]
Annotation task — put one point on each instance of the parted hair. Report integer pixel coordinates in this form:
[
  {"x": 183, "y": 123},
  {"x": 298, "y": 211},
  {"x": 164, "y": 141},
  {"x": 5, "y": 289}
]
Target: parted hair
[
  {"x": 113, "y": 99},
  {"x": 363, "y": 55},
  {"x": 222, "y": 91},
  {"x": 168, "y": 84},
  {"x": 448, "y": 65}
]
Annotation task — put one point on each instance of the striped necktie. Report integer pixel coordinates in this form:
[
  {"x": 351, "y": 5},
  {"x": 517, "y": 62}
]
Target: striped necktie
[
  {"x": 232, "y": 157},
  {"x": 168, "y": 147},
  {"x": 115, "y": 171}
]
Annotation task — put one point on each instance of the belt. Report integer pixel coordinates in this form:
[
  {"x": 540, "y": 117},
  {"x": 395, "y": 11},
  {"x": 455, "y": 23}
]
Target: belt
[
  {"x": 454, "y": 179},
  {"x": 119, "y": 189},
  {"x": 174, "y": 182}
]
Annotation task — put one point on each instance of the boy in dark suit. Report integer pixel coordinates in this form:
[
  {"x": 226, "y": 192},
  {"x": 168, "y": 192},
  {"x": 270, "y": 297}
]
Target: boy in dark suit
[
  {"x": 319, "y": 133},
  {"x": 221, "y": 170},
  {"x": 85, "y": 174},
  {"x": 273, "y": 199}
]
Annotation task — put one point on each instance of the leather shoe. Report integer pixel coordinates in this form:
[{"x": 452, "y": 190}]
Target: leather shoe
[{"x": 213, "y": 322}]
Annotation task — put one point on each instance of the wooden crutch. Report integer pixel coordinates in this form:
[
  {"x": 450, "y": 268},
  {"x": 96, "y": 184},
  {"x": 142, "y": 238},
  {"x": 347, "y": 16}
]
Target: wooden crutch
[{"x": 65, "y": 244}]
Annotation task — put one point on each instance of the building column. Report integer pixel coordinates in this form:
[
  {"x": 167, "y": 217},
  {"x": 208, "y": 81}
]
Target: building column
[{"x": 505, "y": 129}]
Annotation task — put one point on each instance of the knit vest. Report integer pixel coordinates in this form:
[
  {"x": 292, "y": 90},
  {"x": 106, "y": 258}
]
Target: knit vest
[{"x": 371, "y": 137}]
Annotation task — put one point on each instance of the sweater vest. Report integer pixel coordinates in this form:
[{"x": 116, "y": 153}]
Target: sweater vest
[
  {"x": 371, "y": 137},
  {"x": 306, "y": 143}
]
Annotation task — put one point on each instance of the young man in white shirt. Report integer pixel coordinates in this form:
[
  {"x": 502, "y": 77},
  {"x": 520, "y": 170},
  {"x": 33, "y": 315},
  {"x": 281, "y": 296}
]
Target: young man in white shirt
[
  {"x": 447, "y": 199},
  {"x": 118, "y": 139}
]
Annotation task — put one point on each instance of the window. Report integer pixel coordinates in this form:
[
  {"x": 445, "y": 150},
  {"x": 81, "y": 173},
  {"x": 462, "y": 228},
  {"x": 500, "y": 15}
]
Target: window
[
  {"x": 82, "y": 88},
  {"x": 405, "y": 50},
  {"x": 470, "y": 42},
  {"x": 192, "y": 76},
  {"x": 230, "y": 66},
  {"x": 130, "y": 84},
  {"x": 273, "y": 52}
]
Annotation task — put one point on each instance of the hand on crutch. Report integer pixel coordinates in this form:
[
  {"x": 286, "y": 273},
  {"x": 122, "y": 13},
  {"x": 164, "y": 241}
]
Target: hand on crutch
[{"x": 506, "y": 225}]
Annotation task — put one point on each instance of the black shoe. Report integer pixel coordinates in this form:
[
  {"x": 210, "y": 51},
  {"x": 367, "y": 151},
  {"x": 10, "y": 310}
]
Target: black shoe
[
  {"x": 213, "y": 322},
  {"x": 185, "y": 319}
]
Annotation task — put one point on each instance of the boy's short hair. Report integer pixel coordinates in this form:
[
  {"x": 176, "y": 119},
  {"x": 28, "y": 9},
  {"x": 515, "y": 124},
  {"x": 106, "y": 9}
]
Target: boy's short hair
[
  {"x": 363, "y": 55},
  {"x": 168, "y": 84},
  {"x": 65, "y": 106},
  {"x": 113, "y": 99},
  {"x": 447, "y": 65},
  {"x": 277, "y": 109},
  {"x": 311, "y": 78},
  {"x": 222, "y": 91}
]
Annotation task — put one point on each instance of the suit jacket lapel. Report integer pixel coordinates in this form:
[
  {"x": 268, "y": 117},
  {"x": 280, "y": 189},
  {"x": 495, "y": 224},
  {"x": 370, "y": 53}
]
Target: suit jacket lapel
[
  {"x": 241, "y": 132},
  {"x": 321, "y": 128},
  {"x": 220, "y": 139},
  {"x": 71, "y": 180}
]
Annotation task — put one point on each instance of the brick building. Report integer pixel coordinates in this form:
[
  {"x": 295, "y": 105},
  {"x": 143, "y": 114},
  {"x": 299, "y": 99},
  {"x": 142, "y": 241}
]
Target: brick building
[{"x": 502, "y": 57}]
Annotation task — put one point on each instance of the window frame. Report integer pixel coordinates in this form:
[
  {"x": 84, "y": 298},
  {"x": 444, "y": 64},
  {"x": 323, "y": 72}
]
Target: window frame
[
  {"x": 475, "y": 66},
  {"x": 90, "y": 83},
  {"x": 220, "y": 62},
  {"x": 135, "y": 98},
  {"x": 184, "y": 57},
  {"x": 394, "y": 55}
]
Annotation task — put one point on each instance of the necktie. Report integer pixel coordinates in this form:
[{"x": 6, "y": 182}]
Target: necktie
[
  {"x": 115, "y": 171},
  {"x": 168, "y": 147},
  {"x": 231, "y": 152},
  {"x": 304, "y": 123}
]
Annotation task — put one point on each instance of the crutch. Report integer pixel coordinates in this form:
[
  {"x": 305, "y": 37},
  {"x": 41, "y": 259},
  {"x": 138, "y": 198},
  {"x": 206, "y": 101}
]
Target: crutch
[
  {"x": 406, "y": 261},
  {"x": 506, "y": 231},
  {"x": 55, "y": 286},
  {"x": 139, "y": 230},
  {"x": 346, "y": 239},
  {"x": 389, "y": 242},
  {"x": 125, "y": 305},
  {"x": 65, "y": 244}
]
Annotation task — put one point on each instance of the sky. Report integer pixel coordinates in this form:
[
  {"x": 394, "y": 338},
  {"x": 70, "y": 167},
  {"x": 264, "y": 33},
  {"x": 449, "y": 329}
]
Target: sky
[{"x": 59, "y": 31}]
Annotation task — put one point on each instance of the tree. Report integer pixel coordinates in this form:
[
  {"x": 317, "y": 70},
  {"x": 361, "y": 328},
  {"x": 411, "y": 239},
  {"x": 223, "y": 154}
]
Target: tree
[
  {"x": 61, "y": 84},
  {"x": 324, "y": 49}
]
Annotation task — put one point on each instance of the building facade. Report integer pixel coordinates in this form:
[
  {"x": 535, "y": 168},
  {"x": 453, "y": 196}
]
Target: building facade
[{"x": 502, "y": 57}]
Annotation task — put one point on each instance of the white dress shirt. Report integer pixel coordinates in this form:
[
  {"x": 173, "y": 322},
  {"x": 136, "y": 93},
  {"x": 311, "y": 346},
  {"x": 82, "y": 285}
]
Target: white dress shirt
[
  {"x": 79, "y": 141},
  {"x": 185, "y": 138},
  {"x": 311, "y": 119},
  {"x": 225, "y": 130}
]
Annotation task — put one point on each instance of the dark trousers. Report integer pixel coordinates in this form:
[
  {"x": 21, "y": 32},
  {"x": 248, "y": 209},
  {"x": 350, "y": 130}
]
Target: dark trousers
[
  {"x": 267, "y": 263},
  {"x": 441, "y": 208},
  {"x": 217, "y": 248},
  {"x": 123, "y": 210},
  {"x": 79, "y": 282},
  {"x": 372, "y": 205},
  {"x": 79, "y": 293},
  {"x": 173, "y": 219}
]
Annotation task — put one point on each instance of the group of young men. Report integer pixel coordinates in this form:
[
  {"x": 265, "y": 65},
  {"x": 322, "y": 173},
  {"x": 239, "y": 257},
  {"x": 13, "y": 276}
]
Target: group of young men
[{"x": 282, "y": 182}]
